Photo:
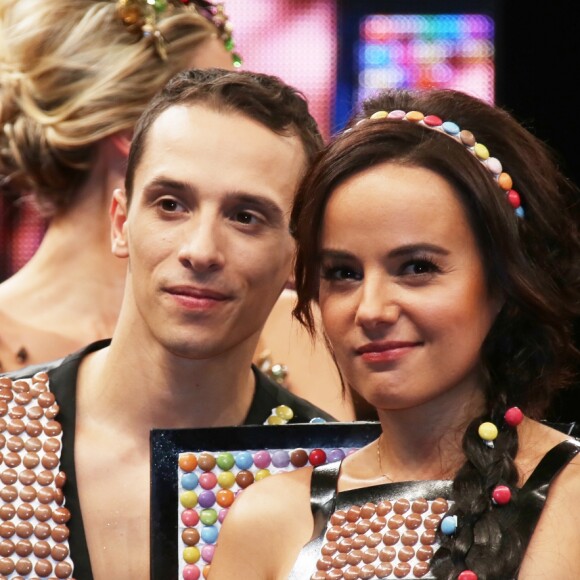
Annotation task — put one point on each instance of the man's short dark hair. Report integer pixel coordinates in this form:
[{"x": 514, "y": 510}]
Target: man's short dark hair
[{"x": 261, "y": 97}]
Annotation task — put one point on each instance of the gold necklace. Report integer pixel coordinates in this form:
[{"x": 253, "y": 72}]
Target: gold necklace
[{"x": 383, "y": 474}]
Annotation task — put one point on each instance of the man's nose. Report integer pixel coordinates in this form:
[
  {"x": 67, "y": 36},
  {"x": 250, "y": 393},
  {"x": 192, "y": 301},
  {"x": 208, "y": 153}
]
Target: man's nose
[{"x": 202, "y": 248}]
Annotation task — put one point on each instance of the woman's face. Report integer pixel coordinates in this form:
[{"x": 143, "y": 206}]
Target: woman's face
[{"x": 403, "y": 293}]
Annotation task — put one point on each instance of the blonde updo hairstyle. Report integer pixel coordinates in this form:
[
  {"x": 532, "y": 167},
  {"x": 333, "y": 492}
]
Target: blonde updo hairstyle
[{"x": 71, "y": 74}]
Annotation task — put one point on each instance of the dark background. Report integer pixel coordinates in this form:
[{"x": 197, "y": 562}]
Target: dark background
[
  {"x": 540, "y": 68},
  {"x": 538, "y": 85}
]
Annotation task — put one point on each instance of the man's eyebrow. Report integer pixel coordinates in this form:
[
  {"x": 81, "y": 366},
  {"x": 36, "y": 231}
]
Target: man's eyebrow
[
  {"x": 258, "y": 201},
  {"x": 163, "y": 182}
]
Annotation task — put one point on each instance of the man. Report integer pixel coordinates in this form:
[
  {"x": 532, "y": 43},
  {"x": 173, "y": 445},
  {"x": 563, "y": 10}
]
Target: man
[{"x": 203, "y": 223}]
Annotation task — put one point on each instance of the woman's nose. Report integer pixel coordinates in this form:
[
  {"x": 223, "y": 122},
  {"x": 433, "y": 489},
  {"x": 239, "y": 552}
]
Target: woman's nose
[{"x": 378, "y": 303}]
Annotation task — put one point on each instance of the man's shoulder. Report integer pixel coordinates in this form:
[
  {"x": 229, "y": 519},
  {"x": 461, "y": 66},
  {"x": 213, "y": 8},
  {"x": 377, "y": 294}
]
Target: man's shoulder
[{"x": 271, "y": 394}]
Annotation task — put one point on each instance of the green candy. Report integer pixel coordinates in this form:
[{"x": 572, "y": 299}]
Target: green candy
[{"x": 208, "y": 517}]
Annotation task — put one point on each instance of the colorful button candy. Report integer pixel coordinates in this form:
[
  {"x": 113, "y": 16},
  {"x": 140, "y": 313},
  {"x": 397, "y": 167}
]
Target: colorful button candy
[{"x": 210, "y": 483}]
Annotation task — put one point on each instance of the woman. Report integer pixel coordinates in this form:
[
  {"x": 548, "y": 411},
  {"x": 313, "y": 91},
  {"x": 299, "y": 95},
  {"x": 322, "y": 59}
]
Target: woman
[
  {"x": 74, "y": 77},
  {"x": 447, "y": 288}
]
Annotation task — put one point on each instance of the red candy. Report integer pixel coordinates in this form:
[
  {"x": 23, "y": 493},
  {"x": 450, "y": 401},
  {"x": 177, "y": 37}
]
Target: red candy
[
  {"x": 513, "y": 416},
  {"x": 317, "y": 457},
  {"x": 191, "y": 572},
  {"x": 513, "y": 198},
  {"x": 190, "y": 517},
  {"x": 501, "y": 494},
  {"x": 467, "y": 575}
]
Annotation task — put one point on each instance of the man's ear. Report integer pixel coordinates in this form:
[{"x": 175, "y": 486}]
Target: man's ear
[
  {"x": 122, "y": 142},
  {"x": 118, "y": 215}
]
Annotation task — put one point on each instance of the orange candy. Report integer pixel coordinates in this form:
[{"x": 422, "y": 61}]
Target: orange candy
[
  {"x": 187, "y": 462},
  {"x": 225, "y": 497}
]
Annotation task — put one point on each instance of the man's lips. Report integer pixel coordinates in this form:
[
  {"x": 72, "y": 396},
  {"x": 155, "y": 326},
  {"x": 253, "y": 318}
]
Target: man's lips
[{"x": 197, "y": 293}]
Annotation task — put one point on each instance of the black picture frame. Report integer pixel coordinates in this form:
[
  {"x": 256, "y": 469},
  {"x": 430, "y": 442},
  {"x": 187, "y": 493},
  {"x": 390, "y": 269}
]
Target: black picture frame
[{"x": 167, "y": 444}]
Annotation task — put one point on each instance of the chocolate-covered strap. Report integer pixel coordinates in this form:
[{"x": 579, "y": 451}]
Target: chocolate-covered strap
[
  {"x": 323, "y": 494},
  {"x": 534, "y": 493}
]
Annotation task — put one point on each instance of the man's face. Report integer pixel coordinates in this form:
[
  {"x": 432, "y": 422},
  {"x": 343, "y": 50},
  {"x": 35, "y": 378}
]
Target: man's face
[{"x": 207, "y": 231}]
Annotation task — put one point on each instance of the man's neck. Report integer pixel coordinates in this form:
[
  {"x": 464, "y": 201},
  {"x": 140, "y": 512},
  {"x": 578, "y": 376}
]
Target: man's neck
[{"x": 135, "y": 386}]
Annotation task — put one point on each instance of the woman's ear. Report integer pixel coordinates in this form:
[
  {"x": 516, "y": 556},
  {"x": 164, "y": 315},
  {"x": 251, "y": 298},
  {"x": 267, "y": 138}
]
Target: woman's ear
[{"x": 118, "y": 215}]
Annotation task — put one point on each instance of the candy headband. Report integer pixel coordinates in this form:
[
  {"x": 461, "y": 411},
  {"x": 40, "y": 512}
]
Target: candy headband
[
  {"x": 467, "y": 139},
  {"x": 141, "y": 17}
]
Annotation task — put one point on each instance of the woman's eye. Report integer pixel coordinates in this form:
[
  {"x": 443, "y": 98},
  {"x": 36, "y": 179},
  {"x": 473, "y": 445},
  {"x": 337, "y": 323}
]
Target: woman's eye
[
  {"x": 340, "y": 273},
  {"x": 418, "y": 267}
]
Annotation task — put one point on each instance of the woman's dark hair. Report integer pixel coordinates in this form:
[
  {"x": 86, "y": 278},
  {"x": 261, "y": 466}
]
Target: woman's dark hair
[{"x": 533, "y": 263}]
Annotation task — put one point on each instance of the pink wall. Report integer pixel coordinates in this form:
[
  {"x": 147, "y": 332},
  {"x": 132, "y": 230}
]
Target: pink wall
[{"x": 293, "y": 39}]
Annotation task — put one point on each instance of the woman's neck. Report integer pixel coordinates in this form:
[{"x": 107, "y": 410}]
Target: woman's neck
[{"x": 71, "y": 289}]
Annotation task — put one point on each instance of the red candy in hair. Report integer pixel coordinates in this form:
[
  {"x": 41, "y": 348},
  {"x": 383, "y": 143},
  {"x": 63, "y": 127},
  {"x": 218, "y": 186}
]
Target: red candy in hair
[{"x": 513, "y": 416}]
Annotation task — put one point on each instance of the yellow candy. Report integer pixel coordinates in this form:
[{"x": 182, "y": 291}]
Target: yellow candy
[
  {"x": 284, "y": 412},
  {"x": 191, "y": 554},
  {"x": 379, "y": 115},
  {"x": 226, "y": 479},
  {"x": 487, "y": 431},
  {"x": 481, "y": 151},
  {"x": 275, "y": 420},
  {"x": 188, "y": 499},
  {"x": 262, "y": 474}
]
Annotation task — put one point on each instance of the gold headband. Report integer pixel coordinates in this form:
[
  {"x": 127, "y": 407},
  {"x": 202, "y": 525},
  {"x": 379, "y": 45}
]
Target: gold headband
[{"x": 142, "y": 16}]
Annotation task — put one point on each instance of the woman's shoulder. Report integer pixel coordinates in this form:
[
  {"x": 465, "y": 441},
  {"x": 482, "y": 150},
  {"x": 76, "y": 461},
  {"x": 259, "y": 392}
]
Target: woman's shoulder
[
  {"x": 537, "y": 440},
  {"x": 273, "y": 517},
  {"x": 554, "y": 545},
  {"x": 275, "y": 494}
]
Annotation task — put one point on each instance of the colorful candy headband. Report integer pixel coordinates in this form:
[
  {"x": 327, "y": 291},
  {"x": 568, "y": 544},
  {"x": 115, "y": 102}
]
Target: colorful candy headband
[
  {"x": 467, "y": 139},
  {"x": 141, "y": 17}
]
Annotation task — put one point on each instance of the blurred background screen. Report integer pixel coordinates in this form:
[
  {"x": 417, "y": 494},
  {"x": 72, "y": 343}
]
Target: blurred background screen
[{"x": 338, "y": 52}]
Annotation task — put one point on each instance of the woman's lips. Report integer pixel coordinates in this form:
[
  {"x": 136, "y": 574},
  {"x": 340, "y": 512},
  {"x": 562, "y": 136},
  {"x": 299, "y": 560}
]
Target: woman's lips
[{"x": 387, "y": 351}]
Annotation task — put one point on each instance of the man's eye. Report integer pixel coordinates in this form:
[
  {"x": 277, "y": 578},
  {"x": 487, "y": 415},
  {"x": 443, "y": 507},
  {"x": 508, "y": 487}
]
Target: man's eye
[
  {"x": 245, "y": 217},
  {"x": 169, "y": 205}
]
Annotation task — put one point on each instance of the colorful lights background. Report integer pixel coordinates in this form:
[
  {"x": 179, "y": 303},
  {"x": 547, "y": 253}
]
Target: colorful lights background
[{"x": 301, "y": 41}]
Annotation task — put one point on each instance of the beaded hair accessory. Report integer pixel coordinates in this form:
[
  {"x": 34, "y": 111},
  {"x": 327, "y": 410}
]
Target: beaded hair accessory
[
  {"x": 142, "y": 16},
  {"x": 466, "y": 138}
]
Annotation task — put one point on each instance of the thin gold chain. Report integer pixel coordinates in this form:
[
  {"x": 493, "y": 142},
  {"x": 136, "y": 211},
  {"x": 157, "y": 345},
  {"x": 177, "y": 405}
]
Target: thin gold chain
[{"x": 380, "y": 460}]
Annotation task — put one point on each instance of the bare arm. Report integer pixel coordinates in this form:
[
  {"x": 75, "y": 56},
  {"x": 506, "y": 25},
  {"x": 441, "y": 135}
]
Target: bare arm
[
  {"x": 554, "y": 550},
  {"x": 265, "y": 529}
]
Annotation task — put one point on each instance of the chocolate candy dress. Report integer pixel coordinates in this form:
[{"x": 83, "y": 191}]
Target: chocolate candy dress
[
  {"x": 390, "y": 530},
  {"x": 41, "y": 526}
]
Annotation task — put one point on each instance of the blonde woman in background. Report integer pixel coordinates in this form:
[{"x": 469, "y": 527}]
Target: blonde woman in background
[{"x": 74, "y": 77}]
